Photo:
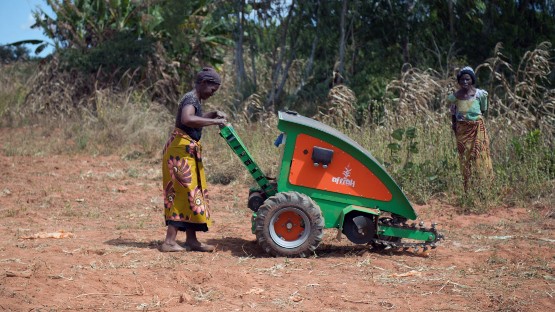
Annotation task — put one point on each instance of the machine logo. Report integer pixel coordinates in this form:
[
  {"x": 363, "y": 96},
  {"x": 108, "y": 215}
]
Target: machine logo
[{"x": 345, "y": 179}]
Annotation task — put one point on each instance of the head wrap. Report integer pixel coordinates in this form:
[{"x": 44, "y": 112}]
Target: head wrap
[
  {"x": 208, "y": 74},
  {"x": 467, "y": 70}
]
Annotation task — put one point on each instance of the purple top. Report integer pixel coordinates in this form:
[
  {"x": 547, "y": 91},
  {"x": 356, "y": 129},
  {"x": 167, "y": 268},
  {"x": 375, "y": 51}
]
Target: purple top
[{"x": 189, "y": 99}]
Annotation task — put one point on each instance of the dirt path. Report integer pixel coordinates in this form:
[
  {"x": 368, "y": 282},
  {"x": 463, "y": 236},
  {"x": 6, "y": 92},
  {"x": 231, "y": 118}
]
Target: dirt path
[{"x": 504, "y": 261}]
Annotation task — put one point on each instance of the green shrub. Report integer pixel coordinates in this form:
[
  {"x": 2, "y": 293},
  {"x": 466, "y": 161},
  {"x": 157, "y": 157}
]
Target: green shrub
[{"x": 122, "y": 53}]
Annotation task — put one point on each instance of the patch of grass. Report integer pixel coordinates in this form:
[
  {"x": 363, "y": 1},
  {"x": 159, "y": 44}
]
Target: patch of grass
[
  {"x": 494, "y": 260},
  {"x": 81, "y": 142},
  {"x": 12, "y": 212},
  {"x": 132, "y": 172},
  {"x": 504, "y": 304},
  {"x": 93, "y": 213},
  {"x": 123, "y": 226},
  {"x": 205, "y": 294},
  {"x": 14, "y": 88},
  {"x": 70, "y": 211},
  {"x": 131, "y": 225}
]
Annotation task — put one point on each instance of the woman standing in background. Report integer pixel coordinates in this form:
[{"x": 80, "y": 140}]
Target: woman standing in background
[{"x": 468, "y": 106}]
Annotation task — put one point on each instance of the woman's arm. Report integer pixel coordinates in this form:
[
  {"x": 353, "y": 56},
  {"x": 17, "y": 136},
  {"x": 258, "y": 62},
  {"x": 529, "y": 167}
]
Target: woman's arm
[
  {"x": 189, "y": 119},
  {"x": 215, "y": 114},
  {"x": 484, "y": 105},
  {"x": 453, "y": 111}
]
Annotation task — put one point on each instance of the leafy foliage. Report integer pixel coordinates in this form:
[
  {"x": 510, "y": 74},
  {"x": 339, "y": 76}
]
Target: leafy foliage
[
  {"x": 85, "y": 24},
  {"x": 121, "y": 53},
  {"x": 192, "y": 34},
  {"x": 406, "y": 137},
  {"x": 10, "y": 54},
  {"x": 118, "y": 44}
]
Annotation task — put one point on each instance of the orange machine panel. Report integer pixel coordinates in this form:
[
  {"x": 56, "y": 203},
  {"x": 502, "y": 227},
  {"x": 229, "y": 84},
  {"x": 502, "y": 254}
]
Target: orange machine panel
[{"x": 344, "y": 174}]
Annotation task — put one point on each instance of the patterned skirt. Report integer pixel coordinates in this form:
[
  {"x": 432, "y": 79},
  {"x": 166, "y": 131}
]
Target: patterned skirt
[
  {"x": 184, "y": 184},
  {"x": 474, "y": 153}
]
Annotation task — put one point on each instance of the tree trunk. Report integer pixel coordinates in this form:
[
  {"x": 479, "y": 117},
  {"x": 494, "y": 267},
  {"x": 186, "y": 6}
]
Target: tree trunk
[
  {"x": 285, "y": 74},
  {"x": 353, "y": 48},
  {"x": 405, "y": 41},
  {"x": 240, "y": 74},
  {"x": 451, "y": 19},
  {"x": 341, "y": 67},
  {"x": 253, "y": 63},
  {"x": 310, "y": 63},
  {"x": 405, "y": 46},
  {"x": 272, "y": 96}
]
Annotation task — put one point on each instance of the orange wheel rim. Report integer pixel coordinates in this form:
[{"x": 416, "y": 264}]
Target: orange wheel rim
[{"x": 289, "y": 226}]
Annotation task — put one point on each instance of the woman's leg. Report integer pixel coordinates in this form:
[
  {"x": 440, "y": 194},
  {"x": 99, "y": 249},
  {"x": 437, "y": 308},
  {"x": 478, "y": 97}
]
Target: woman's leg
[
  {"x": 169, "y": 243},
  {"x": 171, "y": 235},
  {"x": 193, "y": 243}
]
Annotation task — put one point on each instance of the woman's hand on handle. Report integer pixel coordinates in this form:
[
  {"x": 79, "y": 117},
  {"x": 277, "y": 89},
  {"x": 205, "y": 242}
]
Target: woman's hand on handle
[
  {"x": 221, "y": 122},
  {"x": 220, "y": 114}
]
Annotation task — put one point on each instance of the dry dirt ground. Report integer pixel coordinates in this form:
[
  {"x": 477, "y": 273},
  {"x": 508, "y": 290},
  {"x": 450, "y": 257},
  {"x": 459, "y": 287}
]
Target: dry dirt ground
[{"x": 110, "y": 209}]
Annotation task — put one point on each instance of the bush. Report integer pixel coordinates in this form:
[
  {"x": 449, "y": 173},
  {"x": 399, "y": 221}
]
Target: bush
[{"x": 122, "y": 53}]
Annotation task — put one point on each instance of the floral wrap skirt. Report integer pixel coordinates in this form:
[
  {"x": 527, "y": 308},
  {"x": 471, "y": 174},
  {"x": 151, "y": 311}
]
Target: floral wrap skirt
[
  {"x": 474, "y": 153},
  {"x": 184, "y": 184}
]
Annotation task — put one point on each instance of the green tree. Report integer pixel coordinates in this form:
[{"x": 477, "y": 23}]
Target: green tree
[
  {"x": 10, "y": 54},
  {"x": 193, "y": 34}
]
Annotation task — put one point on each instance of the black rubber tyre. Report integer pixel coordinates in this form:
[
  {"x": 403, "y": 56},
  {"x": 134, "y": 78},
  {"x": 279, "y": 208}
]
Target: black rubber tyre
[{"x": 289, "y": 224}]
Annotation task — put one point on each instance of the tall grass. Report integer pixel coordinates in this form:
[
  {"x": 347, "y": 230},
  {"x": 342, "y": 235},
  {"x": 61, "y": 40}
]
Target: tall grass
[
  {"x": 520, "y": 126},
  {"x": 129, "y": 124},
  {"x": 13, "y": 90},
  {"x": 125, "y": 123}
]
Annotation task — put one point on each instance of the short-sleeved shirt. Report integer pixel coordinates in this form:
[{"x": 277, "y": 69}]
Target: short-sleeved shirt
[
  {"x": 189, "y": 98},
  {"x": 470, "y": 109}
]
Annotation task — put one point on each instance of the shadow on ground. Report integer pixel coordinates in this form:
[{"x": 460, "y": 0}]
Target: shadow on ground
[
  {"x": 131, "y": 243},
  {"x": 240, "y": 247}
]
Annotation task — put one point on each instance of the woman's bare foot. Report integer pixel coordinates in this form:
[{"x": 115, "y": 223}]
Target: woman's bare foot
[
  {"x": 198, "y": 246},
  {"x": 165, "y": 247},
  {"x": 192, "y": 243}
]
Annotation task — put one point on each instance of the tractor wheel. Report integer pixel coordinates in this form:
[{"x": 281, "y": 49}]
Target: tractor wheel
[{"x": 289, "y": 224}]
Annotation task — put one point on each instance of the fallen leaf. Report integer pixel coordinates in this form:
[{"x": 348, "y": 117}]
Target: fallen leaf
[
  {"x": 185, "y": 298},
  {"x": 254, "y": 291},
  {"x": 501, "y": 237},
  {"x": 25, "y": 274},
  {"x": 122, "y": 189},
  {"x": 59, "y": 234},
  {"x": 296, "y": 298},
  {"x": 406, "y": 274}
]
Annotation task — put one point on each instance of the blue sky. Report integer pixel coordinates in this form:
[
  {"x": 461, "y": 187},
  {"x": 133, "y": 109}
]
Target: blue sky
[{"x": 16, "y": 19}]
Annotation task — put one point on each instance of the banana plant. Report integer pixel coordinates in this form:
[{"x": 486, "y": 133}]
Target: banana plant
[{"x": 193, "y": 32}]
